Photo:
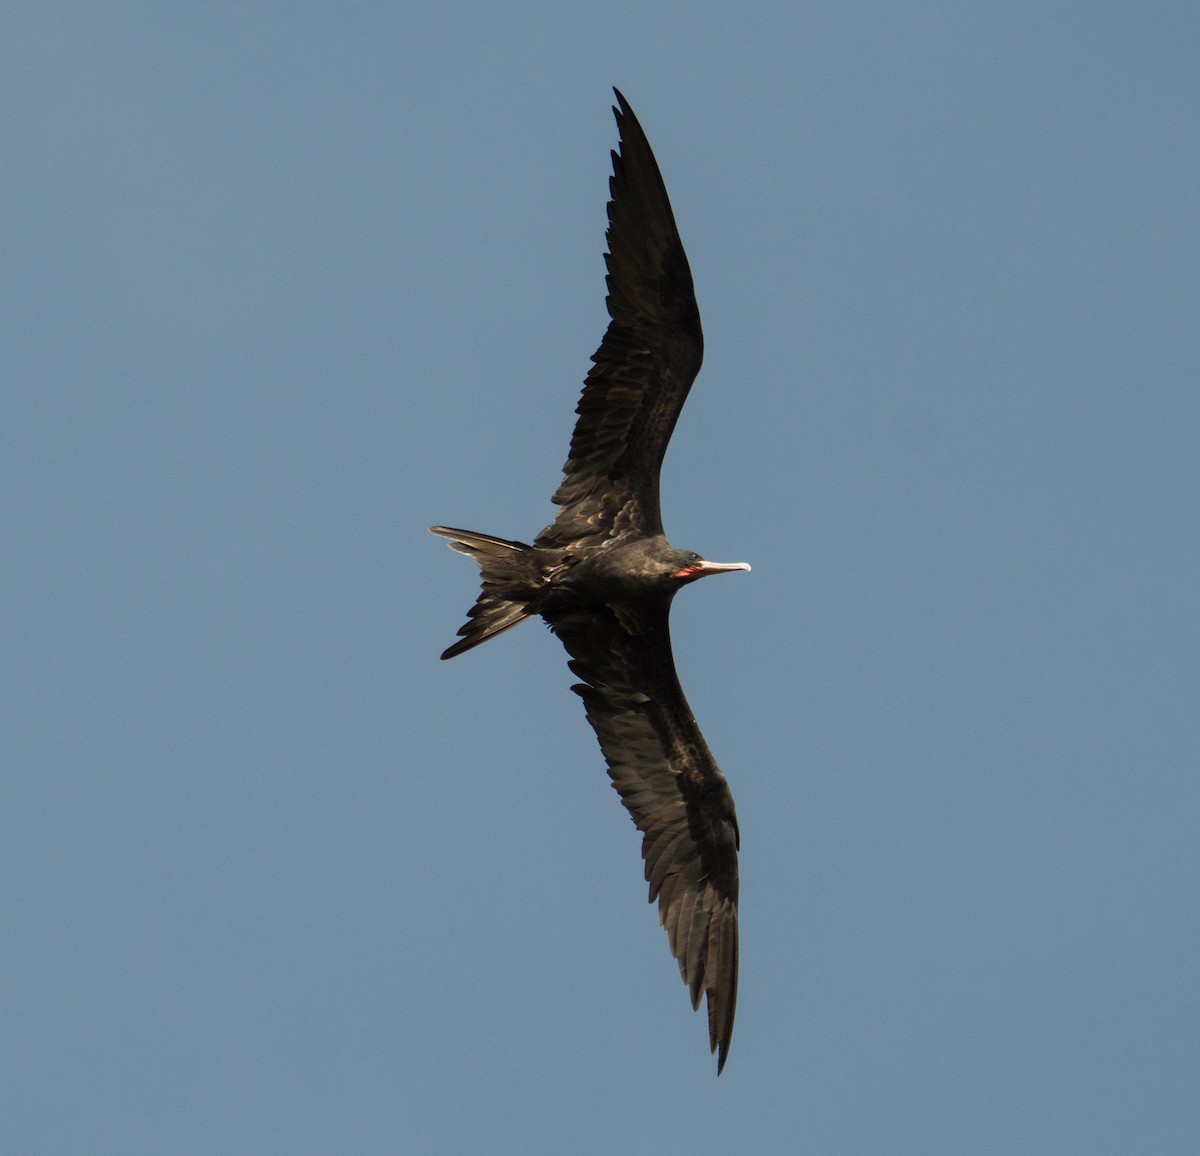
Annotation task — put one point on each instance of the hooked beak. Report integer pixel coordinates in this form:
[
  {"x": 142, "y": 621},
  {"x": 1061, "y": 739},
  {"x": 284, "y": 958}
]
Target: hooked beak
[{"x": 702, "y": 569}]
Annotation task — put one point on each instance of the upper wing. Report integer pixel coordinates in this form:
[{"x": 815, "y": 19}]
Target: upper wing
[
  {"x": 671, "y": 785},
  {"x": 645, "y": 365}
]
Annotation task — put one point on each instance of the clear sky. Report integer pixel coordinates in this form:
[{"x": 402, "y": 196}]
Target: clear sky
[{"x": 285, "y": 283}]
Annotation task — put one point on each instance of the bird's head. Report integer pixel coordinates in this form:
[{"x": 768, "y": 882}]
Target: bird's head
[
  {"x": 649, "y": 568},
  {"x": 688, "y": 566}
]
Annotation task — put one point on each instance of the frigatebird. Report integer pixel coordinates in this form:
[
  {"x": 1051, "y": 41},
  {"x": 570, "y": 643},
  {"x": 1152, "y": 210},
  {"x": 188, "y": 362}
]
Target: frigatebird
[{"x": 603, "y": 575}]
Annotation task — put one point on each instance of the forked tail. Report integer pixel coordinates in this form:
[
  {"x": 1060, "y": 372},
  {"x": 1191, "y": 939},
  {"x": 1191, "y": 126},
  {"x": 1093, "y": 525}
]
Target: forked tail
[{"x": 510, "y": 577}]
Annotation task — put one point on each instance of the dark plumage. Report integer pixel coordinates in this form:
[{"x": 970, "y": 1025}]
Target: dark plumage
[{"x": 603, "y": 575}]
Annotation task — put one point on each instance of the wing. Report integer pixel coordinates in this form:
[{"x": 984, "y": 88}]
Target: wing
[
  {"x": 644, "y": 367},
  {"x": 672, "y": 787}
]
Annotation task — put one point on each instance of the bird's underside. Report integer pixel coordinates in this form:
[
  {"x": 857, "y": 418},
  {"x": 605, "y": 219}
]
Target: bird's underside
[{"x": 603, "y": 575}]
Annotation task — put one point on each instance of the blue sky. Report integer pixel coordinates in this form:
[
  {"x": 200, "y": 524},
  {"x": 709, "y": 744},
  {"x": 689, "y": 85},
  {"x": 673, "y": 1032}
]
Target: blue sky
[{"x": 287, "y": 283}]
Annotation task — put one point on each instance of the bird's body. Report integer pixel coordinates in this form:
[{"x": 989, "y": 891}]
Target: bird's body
[{"x": 603, "y": 575}]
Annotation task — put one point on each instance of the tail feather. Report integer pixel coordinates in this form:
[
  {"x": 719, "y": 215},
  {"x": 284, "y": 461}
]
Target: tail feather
[{"x": 510, "y": 577}]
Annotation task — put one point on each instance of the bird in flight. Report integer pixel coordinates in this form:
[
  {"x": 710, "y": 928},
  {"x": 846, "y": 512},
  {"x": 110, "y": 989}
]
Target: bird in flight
[{"x": 603, "y": 575}]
